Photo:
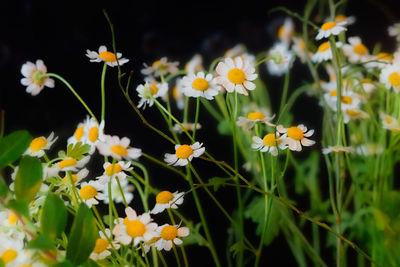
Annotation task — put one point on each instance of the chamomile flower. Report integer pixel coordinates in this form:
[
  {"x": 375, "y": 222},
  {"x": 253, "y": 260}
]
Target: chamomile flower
[
  {"x": 116, "y": 194},
  {"x": 252, "y": 118},
  {"x": 282, "y": 59},
  {"x": 330, "y": 28},
  {"x": 346, "y": 20},
  {"x": 380, "y": 60},
  {"x": 356, "y": 51},
  {"x": 39, "y": 144},
  {"x": 337, "y": 149},
  {"x": 118, "y": 148},
  {"x": 195, "y": 64},
  {"x": 134, "y": 228},
  {"x": 349, "y": 100},
  {"x": 286, "y": 31},
  {"x": 184, "y": 154},
  {"x": 90, "y": 193},
  {"x": 200, "y": 84},
  {"x": 10, "y": 225},
  {"x": 269, "y": 143},
  {"x": 167, "y": 200},
  {"x": 236, "y": 75},
  {"x": 76, "y": 177},
  {"x": 186, "y": 126},
  {"x": 72, "y": 164},
  {"x": 116, "y": 169},
  {"x": 390, "y": 77},
  {"x": 94, "y": 133},
  {"x": 169, "y": 236},
  {"x": 299, "y": 48},
  {"x": 102, "y": 247},
  {"x": 353, "y": 114},
  {"x": 110, "y": 58},
  {"x": 79, "y": 134},
  {"x": 394, "y": 31},
  {"x": 324, "y": 53},
  {"x": 235, "y": 51},
  {"x": 34, "y": 77},
  {"x": 296, "y": 136},
  {"x": 150, "y": 90},
  {"x": 12, "y": 252},
  {"x": 160, "y": 67},
  {"x": 367, "y": 85},
  {"x": 371, "y": 149},
  {"x": 389, "y": 122}
]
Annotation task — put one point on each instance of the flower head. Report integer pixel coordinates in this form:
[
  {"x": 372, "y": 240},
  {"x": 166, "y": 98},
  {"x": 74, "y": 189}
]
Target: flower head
[
  {"x": 110, "y": 58},
  {"x": 118, "y": 148},
  {"x": 199, "y": 84},
  {"x": 167, "y": 200},
  {"x": 195, "y": 64},
  {"x": 394, "y": 31},
  {"x": 286, "y": 31},
  {"x": 282, "y": 59},
  {"x": 356, "y": 51},
  {"x": 252, "y": 118},
  {"x": 71, "y": 164},
  {"x": 116, "y": 169},
  {"x": 150, "y": 90},
  {"x": 39, "y": 144},
  {"x": 184, "y": 154},
  {"x": 324, "y": 53},
  {"x": 389, "y": 122},
  {"x": 390, "y": 77},
  {"x": 330, "y": 28},
  {"x": 34, "y": 77},
  {"x": 90, "y": 193},
  {"x": 169, "y": 236},
  {"x": 102, "y": 247},
  {"x": 337, "y": 149},
  {"x": 186, "y": 126},
  {"x": 268, "y": 143},
  {"x": 296, "y": 136},
  {"x": 160, "y": 67}
]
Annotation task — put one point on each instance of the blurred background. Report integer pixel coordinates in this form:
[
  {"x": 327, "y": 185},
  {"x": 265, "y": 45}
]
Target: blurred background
[{"x": 59, "y": 32}]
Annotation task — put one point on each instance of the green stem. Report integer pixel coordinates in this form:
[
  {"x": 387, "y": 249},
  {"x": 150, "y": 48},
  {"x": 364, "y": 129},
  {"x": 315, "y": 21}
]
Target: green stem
[
  {"x": 103, "y": 97},
  {"x": 196, "y": 118}
]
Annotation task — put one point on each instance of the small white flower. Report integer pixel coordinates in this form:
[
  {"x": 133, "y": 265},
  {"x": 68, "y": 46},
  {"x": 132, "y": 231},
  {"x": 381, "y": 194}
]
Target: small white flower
[
  {"x": 93, "y": 133},
  {"x": 76, "y": 178},
  {"x": 110, "y": 58},
  {"x": 353, "y": 114},
  {"x": 90, "y": 193},
  {"x": 71, "y": 164},
  {"x": 167, "y": 200},
  {"x": 199, "y": 84},
  {"x": 118, "y": 148},
  {"x": 394, "y": 31},
  {"x": 160, "y": 67},
  {"x": 323, "y": 53},
  {"x": 369, "y": 149},
  {"x": 286, "y": 31},
  {"x": 389, "y": 122},
  {"x": 150, "y": 90},
  {"x": 39, "y": 144},
  {"x": 195, "y": 64},
  {"x": 169, "y": 236},
  {"x": 269, "y": 143},
  {"x": 356, "y": 51},
  {"x": 186, "y": 126},
  {"x": 117, "y": 169},
  {"x": 178, "y": 95},
  {"x": 282, "y": 59},
  {"x": 252, "y": 118},
  {"x": 330, "y": 28},
  {"x": 337, "y": 149},
  {"x": 295, "y": 136},
  {"x": 390, "y": 77},
  {"x": 346, "y": 20},
  {"x": 349, "y": 100},
  {"x": 34, "y": 77},
  {"x": 184, "y": 154},
  {"x": 299, "y": 48},
  {"x": 102, "y": 247}
]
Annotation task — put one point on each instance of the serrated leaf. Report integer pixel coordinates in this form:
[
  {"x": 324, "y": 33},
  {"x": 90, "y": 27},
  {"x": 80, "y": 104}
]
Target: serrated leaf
[
  {"x": 41, "y": 242},
  {"x": 28, "y": 179},
  {"x": 77, "y": 150},
  {"x": 82, "y": 236},
  {"x": 54, "y": 216},
  {"x": 13, "y": 146},
  {"x": 217, "y": 182}
]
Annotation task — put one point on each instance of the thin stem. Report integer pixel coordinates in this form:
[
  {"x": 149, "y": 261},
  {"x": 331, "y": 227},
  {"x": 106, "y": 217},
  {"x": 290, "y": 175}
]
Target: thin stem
[
  {"x": 103, "y": 97},
  {"x": 196, "y": 118}
]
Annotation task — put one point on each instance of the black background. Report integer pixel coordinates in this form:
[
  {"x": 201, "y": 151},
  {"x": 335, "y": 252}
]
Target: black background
[{"x": 59, "y": 32}]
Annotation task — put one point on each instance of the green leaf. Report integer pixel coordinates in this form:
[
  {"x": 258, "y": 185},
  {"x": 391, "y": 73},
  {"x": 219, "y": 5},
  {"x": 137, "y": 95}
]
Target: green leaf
[
  {"x": 78, "y": 150},
  {"x": 90, "y": 263},
  {"x": 42, "y": 242},
  {"x": 2, "y": 263},
  {"x": 217, "y": 182},
  {"x": 20, "y": 206},
  {"x": 224, "y": 128},
  {"x": 54, "y": 216},
  {"x": 82, "y": 237},
  {"x": 3, "y": 187},
  {"x": 65, "y": 263},
  {"x": 12, "y": 146},
  {"x": 28, "y": 179}
]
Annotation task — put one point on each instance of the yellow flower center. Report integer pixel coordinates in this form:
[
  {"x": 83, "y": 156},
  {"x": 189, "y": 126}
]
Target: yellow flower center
[
  {"x": 352, "y": 113},
  {"x": 200, "y": 84},
  {"x": 269, "y": 140},
  {"x": 340, "y": 18},
  {"x": 360, "y": 49},
  {"x": 153, "y": 89},
  {"x": 73, "y": 176},
  {"x": 384, "y": 56},
  {"x": 93, "y": 134},
  {"x": 323, "y": 47},
  {"x": 9, "y": 255},
  {"x": 255, "y": 116},
  {"x": 135, "y": 228},
  {"x": 328, "y": 25},
  {"x": 281, "y": 32},
  {"x": 333, "y": 93},
  {"x": 366, "y": 80},
  {"x": 164, "y": 197},
  {"x": 346, "y": 99},
  {"x": 302, "y": 45},
  {"x": 101, "y": 245},
  {"x": 236, "y": 76},
  {"x": 295, "y": 133},
  {"x": 388, "y": 120},
  {"x": 67, "y": 163},
  {"x": 169, "y": 232},
  {"x": 394, "y": 79},
  {"x": 37, "y": 77},
  {"x": 184, "y": 151},
  {"x": 119, "y": 150},
  {"x": 113, "y": 168},
  {"x": 108, "y": 56},
  {"x": 78, "y": 133},
  {"x": 25, "y": 265},
  {"x": 37, "y": 144},
  {"x": 12, "y": 218},
  {"x": 175, "y": 92},
  {"x": 88, "y": 192}
]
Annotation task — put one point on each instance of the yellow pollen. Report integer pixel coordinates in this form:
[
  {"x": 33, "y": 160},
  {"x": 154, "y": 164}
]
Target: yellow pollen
[
  {"x": 135, "y": 228},
  {"x": 113, "y": 168},
  {"x": 269, "y": 140},
  {"x": 394, "y": 79},
  {"x": 169, "y": 232},
  {"x": 9, "y": 255},
  {"x": 73, "y": 176},
  {"x": 153, "y": 89},
  {"x": 119, "y": 150},
  {"x": 184, "y": 151},
  {"x": 67, "y": 163},
  {"x": 323, "y": 47},
  {"x": 12, "y": 218},
  {"x": 340, "y": 18},
  {"x": 88, "y": 192},
  {"x": 388, "y": 120},
  {"x": 360, "y": 49},
  {"x": 200, "y": 84},
  {"x": 236, "y": 76},
  {"x": 328, "y": 25},
  {"x": 164, "y": 197},
  {"x": 352, "y": 113},
  {"x": 255, "y": 116},
  {"x": 107, "y": 56},
  {"x": 346, "y": 99},
  {"x": 37, "y": 144},
  {"x": 333, "y": 93},
  {"x": 101, "y": 245},
  {"x": 295, "y": 133},
  {"x": 93, "y": 134},
  {"x": 37, "y": 77},
  {"x": 78, "y": 133}
]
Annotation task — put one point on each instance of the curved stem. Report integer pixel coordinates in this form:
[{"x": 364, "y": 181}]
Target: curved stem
[{"x": 103, "y": 97}]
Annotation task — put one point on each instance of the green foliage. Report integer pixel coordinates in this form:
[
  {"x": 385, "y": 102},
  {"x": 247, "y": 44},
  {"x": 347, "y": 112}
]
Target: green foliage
[
  {"x": 28, "y": 179},
  {"x": 3, "y": 187},
  {"x": 78, "y": 150},
  {"x": 20, "y": 206},
  {"x": 54, "y": 216},
  {"x": 12, "y": 146},
  {"x": 41, "y": 242},
  {"x": 217, "y": 182}
]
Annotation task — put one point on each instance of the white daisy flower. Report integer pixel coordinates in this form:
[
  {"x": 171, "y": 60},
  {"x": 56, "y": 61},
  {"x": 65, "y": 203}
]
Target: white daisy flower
[
  {"x": 369, "y": 149},
  {"x": 337, "y": 149},
  {"x": 39, "y": 144},
  {"x": 118, "y": 148},
  {"x": 353, "y": 114},
  {"x": 195, "y": 64},
  {"x": 295, "y": 136},
  {"x": 169, "y": 236},
  {"x": 380, "y": 60},
  {"x": 356, "y": 51},
  {"x": 349, "y": 100},
  {"x": 12, "y": 252},
  {"x": 71, "y": 164},
  {"x": 367, "y": 85},
  {"x": 79, "y": 133},
  {"x": 324, "y": 53},
  {"x": 110, "y": 58},
  {"x": 135, "y": 228},
  {"x": 299, "y": 48},
  {"x": 187, "y": 126},
  {"x": 394, "y": 31},
  {"x": 167, "y": 200},
  {"x": 148, "y": 91},
  {"x": 330, "y": 28},
  {"x": 390, "y": 123},
  {"x": 286, "y": 31},
  {"x": 178, "y": 95},
  {"x": 235, "y": 51},
  {"x": 160, "y": 67},
  {"x": 269, "y": 143},
  {"x": 33, "y": 77},
  {"x": 116, "y": 193},
  {"x": 90, "y": 193},
  {"x": 346, "y": 20},
  {"x": 236, "y": 75},
  {"x": 102, "y": 247},
  {"x": 199, "y": 84},
  {"x": 252, "y": 118},
  {"x": 184, "y": 154},
  {"x": 390, "y": 77},
  {"x": 76, "y": 177},
  {"x": 10, "y": 225},
  {"x": 93, "y": 133},
  {"x": 282, "y": 59},
  {"x": 117, "y": 169}
]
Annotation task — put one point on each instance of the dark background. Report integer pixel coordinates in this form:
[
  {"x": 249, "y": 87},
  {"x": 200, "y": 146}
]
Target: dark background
[{"x": 59, "y": 32}]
